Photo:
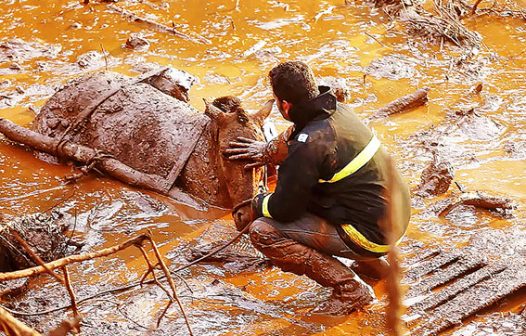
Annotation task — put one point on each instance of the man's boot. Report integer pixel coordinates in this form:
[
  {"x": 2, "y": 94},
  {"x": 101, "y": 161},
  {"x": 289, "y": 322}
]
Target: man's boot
[
  {"x": 349, "y": 291},
  {"x": 374, "y": 268}
]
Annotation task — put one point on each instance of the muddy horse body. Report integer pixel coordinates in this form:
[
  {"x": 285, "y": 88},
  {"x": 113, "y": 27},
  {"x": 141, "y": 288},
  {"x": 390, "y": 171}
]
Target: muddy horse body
[{"x": 147, "y": 124}]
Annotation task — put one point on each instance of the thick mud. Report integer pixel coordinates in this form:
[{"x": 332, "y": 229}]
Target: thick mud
[{"x": 478, "y": 130}]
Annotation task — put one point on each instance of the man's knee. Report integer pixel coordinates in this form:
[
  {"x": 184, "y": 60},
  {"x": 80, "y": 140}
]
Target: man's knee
[{"x": 262, "y": 233}]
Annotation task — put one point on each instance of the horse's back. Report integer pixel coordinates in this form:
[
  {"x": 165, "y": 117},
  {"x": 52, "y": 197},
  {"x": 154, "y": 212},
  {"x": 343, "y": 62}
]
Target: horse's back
[{"x": 135, "y": 122}]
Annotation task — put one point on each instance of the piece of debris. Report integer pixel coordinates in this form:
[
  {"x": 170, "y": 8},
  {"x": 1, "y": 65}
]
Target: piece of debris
[
  {"x": 392, "y": 67},
  {"x": 480, "y": 200},
  {"x": 254, "y": 48},
  {"x": 44, "y": 233},
  {"x": 436, "y": 177},
  {"x": 15, "y": 66},
  {"x": 158, "y": 26},
  {"x": 442, "y": 23},
  {"x": 477, "y": 88},
  {"x": 137, "y": 42},
  {"x": 92, "y": 59},
  {"x": 19, "y": 51},
  {"x": 405, "y": 103},
  {"x": 469, "y": 297},
  {"x": 447, "y": 287},
  {"x": 237, "y": 257}
]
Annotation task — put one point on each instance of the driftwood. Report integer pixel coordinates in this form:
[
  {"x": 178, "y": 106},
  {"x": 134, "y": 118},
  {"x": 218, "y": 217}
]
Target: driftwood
[
  {"x": 407, "y": 102},
  {"x": 84, "y": 155},
  {"x": 444, "y": 23},
  {"x": 158, "y": 26},
  {"x": 63, "y": 262},
  {"x": 479, "y": 200}
]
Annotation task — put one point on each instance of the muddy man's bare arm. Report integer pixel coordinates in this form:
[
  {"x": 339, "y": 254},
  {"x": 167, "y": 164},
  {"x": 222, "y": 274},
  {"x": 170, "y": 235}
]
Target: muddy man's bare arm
[{"x": 260, "y": 153}]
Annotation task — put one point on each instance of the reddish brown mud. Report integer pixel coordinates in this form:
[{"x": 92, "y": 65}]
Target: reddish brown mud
[{"x": 44, "y": 43}]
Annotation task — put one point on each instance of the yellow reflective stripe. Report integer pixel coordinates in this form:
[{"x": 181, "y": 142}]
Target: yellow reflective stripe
[
  {"x": 358, "y": 162},
  {"x": 365, "y": 243},
  {"x": 264, "y": 206}
]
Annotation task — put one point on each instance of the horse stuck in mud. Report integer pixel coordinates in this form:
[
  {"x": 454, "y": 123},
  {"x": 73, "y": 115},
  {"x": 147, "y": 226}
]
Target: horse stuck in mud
[
  {"x": 102, "y": 121},
  {"x": 159, "y": 143}
]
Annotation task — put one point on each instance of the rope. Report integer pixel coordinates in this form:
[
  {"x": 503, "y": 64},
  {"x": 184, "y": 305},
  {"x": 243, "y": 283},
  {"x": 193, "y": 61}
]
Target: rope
[{"x": 88, "y": 111}]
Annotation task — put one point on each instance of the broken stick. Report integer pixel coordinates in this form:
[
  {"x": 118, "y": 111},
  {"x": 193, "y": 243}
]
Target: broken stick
[
  {"x": 85, "y": 155},
  {"x": 63, "y": 262},
  {"x": 479, "y": 200},
  {"x": 407, "y": 102},
  {"x": 158, "y": 26},
  {"x": 76, "y": 258},
  {"x": 11, "y": 326}
]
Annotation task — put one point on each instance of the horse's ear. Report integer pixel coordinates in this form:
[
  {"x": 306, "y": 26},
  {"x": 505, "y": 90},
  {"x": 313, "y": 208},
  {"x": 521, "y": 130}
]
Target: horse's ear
[
  {"x": 264, "y": 112},
  {"x": 214, "y": 112}
]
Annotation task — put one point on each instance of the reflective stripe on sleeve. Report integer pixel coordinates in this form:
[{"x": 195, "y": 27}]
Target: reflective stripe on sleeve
[
  {"x": 358, "y": 162},
  {"x": 363, "y": 242},
  {"x": 264, "y": 206}
]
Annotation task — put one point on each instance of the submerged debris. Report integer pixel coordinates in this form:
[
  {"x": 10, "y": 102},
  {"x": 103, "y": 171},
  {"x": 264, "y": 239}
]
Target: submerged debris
[
  {"x": 443, "y": 23},
  {"x": 405, "y": 103},
  {"x": 480, "y": 200},
  {"x": 436, "y": 177},
  {"x": 137, "y": 42},
  {"x": 448, "y": 287},
  {"x": 44, "y": 233}
]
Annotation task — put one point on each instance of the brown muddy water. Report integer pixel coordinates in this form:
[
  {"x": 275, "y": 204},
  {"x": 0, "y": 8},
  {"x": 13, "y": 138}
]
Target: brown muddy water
[{"x": 354, "y": 46}]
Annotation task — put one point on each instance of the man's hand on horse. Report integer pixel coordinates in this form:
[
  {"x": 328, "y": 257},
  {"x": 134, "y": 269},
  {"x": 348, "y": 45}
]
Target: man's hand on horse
[{"x": 248, "y": 149}]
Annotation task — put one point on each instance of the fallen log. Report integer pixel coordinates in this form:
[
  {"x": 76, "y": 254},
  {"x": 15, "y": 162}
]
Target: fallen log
[
  {"x": 405, "y": 103},
  {"x": 84, "y": 155},
  {"x": 479, "y": 200}
]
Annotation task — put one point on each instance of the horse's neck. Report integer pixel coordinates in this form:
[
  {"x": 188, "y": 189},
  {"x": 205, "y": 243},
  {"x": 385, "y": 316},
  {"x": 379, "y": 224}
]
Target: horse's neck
[{"x": 202, "y": 175}]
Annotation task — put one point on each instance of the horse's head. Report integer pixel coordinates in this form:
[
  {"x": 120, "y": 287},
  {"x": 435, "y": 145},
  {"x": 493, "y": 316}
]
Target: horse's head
[{"x": 230, "y": 120}]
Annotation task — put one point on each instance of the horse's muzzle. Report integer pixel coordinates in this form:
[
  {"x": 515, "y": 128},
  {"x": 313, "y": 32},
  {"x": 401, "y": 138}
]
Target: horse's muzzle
[{"x": 243, "y": 216}]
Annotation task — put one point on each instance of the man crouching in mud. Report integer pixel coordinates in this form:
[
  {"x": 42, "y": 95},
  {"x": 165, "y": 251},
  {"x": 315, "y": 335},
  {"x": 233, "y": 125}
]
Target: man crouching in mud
[{"x": 331, "y": 192}]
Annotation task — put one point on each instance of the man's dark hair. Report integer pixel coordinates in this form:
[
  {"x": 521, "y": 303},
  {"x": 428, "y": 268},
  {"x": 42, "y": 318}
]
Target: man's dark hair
[{"x": 294, "y": 82}]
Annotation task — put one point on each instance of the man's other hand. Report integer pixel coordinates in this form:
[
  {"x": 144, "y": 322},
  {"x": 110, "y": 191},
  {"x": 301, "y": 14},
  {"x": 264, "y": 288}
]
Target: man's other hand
[{"x": 248, "y": 149}]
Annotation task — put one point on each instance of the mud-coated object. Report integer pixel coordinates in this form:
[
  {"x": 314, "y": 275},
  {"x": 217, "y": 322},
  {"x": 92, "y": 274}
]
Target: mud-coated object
[
  {"x": 447, "y": 287},
  {"x": 43, "y": 233},
  {"x": 146, "y": 124},
  {"x": 349, "y": 291},
  {"x": 138, "y": 124}
]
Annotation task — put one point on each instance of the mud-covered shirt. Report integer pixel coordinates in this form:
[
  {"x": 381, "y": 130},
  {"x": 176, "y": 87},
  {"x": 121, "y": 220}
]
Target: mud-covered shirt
[{"x": 327, "y": 137}]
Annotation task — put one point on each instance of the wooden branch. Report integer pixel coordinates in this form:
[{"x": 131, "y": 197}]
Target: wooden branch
[
  {"x": 29, "y": 272},
  {"x": 11, "y": 326},
  {"x": 36, "y": 258},
  {"x": 158, "y": 26},
  {"x": 63, "y": 262},
  {"x": 85, "y": 155},
  {"x": 71, "y": 293},
  {"x": 66, "y": 327},
  {"x": 407, "y": 102},
  {"x": 479, "y": 200},
  {"x": 474, "y": 9},
  {"x": 166, "y": 272}
]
